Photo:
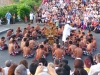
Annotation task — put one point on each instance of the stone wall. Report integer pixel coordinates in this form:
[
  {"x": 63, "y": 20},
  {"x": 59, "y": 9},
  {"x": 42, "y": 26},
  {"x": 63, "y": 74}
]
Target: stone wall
[{"x": 5, "y": 2}]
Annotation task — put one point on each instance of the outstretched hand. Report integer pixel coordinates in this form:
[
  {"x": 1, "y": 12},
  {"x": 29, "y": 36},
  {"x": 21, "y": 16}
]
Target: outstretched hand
[{"x": 39, "y": 70}]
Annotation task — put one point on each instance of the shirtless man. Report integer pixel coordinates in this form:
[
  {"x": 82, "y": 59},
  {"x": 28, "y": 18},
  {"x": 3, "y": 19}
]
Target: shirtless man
[
  {"x": 18, "y": 35},
  {"x": 46, "y": 47},
  {"x": 59, "y": 53},
  {"x": 40, "y": 52},
  {"x": 27, "y": 53},
  {"x": 78, "y": 51},
  {"x": 71, "y": 48},
  {"x": 94, "y": 42},
  {"x": 9, "y": 33},
  {"x": 89, "y": 47},
  {"x": 28, "y": 27},
  {"x": 32, "y": 29},
  {"x": 11, "y": 48},
  {"x": 34, "y": 35},
  {"x": 3, "y": 46},
  {"x": 23, "y": 43},
  {"x": 37, "y": 27},
  {"x": 24, "y": 31},
  {"x": 31, "y": 44}
]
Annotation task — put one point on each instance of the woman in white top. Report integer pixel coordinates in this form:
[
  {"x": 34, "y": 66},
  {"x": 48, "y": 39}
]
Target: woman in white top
[{"x": 1, "y": 71}]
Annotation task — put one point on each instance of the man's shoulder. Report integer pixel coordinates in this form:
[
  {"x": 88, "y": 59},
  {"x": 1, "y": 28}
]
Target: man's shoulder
[{"x": 93, "y": 66}]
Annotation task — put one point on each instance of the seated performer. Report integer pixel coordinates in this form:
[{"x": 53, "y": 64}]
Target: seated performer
[
  {"x": 37, "y": 28},
  {"x": 32, "y": 29},
  {"x": 40, "y": 52},
  {"x": 89, "y": 49},
  {"x": 18, "y": 35},
  {"x": 27, "y": 52},
  {"x": 71, "y": 48},
  {"x": 28, "y": 27},
  {"x": 78, "y": 52},
  {"x": 59, "y": 53},
  {"x": 46, "y": 47},
  {"x": 31, "y": 43},
  {"x": 22, "y": 45},
  {"x": 24, "y": 31},
  {"x": 34, "y": 35},
  {"x": 18, "y": 29},
  {"x": 9, "y": 33},
  {"x": 12, "y": 49},
  {"x": 3, "y": 46}
]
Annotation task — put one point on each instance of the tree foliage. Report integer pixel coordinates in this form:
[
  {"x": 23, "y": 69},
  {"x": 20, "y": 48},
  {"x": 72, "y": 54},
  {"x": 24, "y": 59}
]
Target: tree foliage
[{"x": 21, "y": 8}]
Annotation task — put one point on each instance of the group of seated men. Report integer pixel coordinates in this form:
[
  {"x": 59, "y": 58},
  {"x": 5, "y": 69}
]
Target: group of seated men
[{"x": 77, "y": 44}]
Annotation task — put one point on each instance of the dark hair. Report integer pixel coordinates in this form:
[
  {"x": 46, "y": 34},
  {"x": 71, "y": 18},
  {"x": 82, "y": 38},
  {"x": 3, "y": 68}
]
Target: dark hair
[
  {"x": 58, "y": 46},
  {"x": 12, "y": 69},
  {"x": 25, "y": 39},
  {"x": 79, "y": 67},
  {"x": 43, "y": 61},
  {"x": 45, "y": 41},
  {"x": 89, "y": 40},
  {"x": 77, "y": 45},
  {"x": 90, "y": 35},
  {"x": 24, "y": 28},
  {"x": 41, "y": 46},
  {"x": 2, "y": 37},
  {"x": 61, "y": 71},
  {"x": 91, "y": 58},
  {"x": 24, "y": 62},
  {"x": 65, "y": 61},
  {"x": 13, "y": 41},
  {"x": 27, "y": 43},
  {"x": 56, "y": 61},
  {"x": 83, "y": 33},
  {"x": 70, "y": 42},
  {"x": 66, "y": 67},
  {"x": 33, "y": 67}
]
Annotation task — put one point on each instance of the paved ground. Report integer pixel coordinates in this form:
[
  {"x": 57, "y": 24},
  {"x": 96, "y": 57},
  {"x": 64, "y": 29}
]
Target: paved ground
[{"x": 5, "y": 56}]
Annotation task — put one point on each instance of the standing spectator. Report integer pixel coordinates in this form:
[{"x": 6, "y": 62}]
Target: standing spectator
[
  {"x": 20, "y": 70},
  {"x": 0, "y": 21},
  {"x": 8, "y": 64},
  {"x": 8, "y": 17},
  {"x": 13, "y": 17},
  {"x": 31, "y": 17},
  {"x": 79, "y": 67},
  {"x": 1, "y": 71},
  {"x": 12, "y": 69},
  {"x": 25, "y": 19},
  {"x": 95, "y": 68}
]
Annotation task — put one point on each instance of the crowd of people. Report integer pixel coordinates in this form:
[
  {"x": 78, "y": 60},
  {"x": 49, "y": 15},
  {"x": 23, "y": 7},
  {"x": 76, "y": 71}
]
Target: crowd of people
[
  {"x": 42, "y": 67},
  {"x": 69, "y": 19}
]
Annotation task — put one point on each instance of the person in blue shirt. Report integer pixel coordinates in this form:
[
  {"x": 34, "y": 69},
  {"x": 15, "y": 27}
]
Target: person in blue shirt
[{"x": 8, "y": 17}]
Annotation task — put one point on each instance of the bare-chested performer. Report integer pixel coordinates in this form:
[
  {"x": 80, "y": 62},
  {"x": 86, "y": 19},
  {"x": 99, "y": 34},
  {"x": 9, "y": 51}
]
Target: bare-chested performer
[
  {"x": 59, "y": 53},
  {"x": 23, "y": 43},
  {"x": 89, "y": 47},
  {"x": 18, "y": 35},
  {"x": 3, "y": 46},
  {"x": 71, "y": 48},
  {"x": 46, "y": 47},
  {"x": 9, "y": 33},
  {"x": 78, "y": 52},
  {"x": 27, "y": 53},
  {"x": 28, "y": 27},
  {"x": 31, "y": 44},
  {"x": 34, "y": 35},
  {"x": 24, "y": 31},
  {"x": 12, "y": 49},
  {"x": 40, "y": 52},
  {"x": 32, "y": 29}
]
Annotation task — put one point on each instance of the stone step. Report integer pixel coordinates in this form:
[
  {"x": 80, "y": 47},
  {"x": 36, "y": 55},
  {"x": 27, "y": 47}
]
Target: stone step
[{"x": 3, "y": 30}]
